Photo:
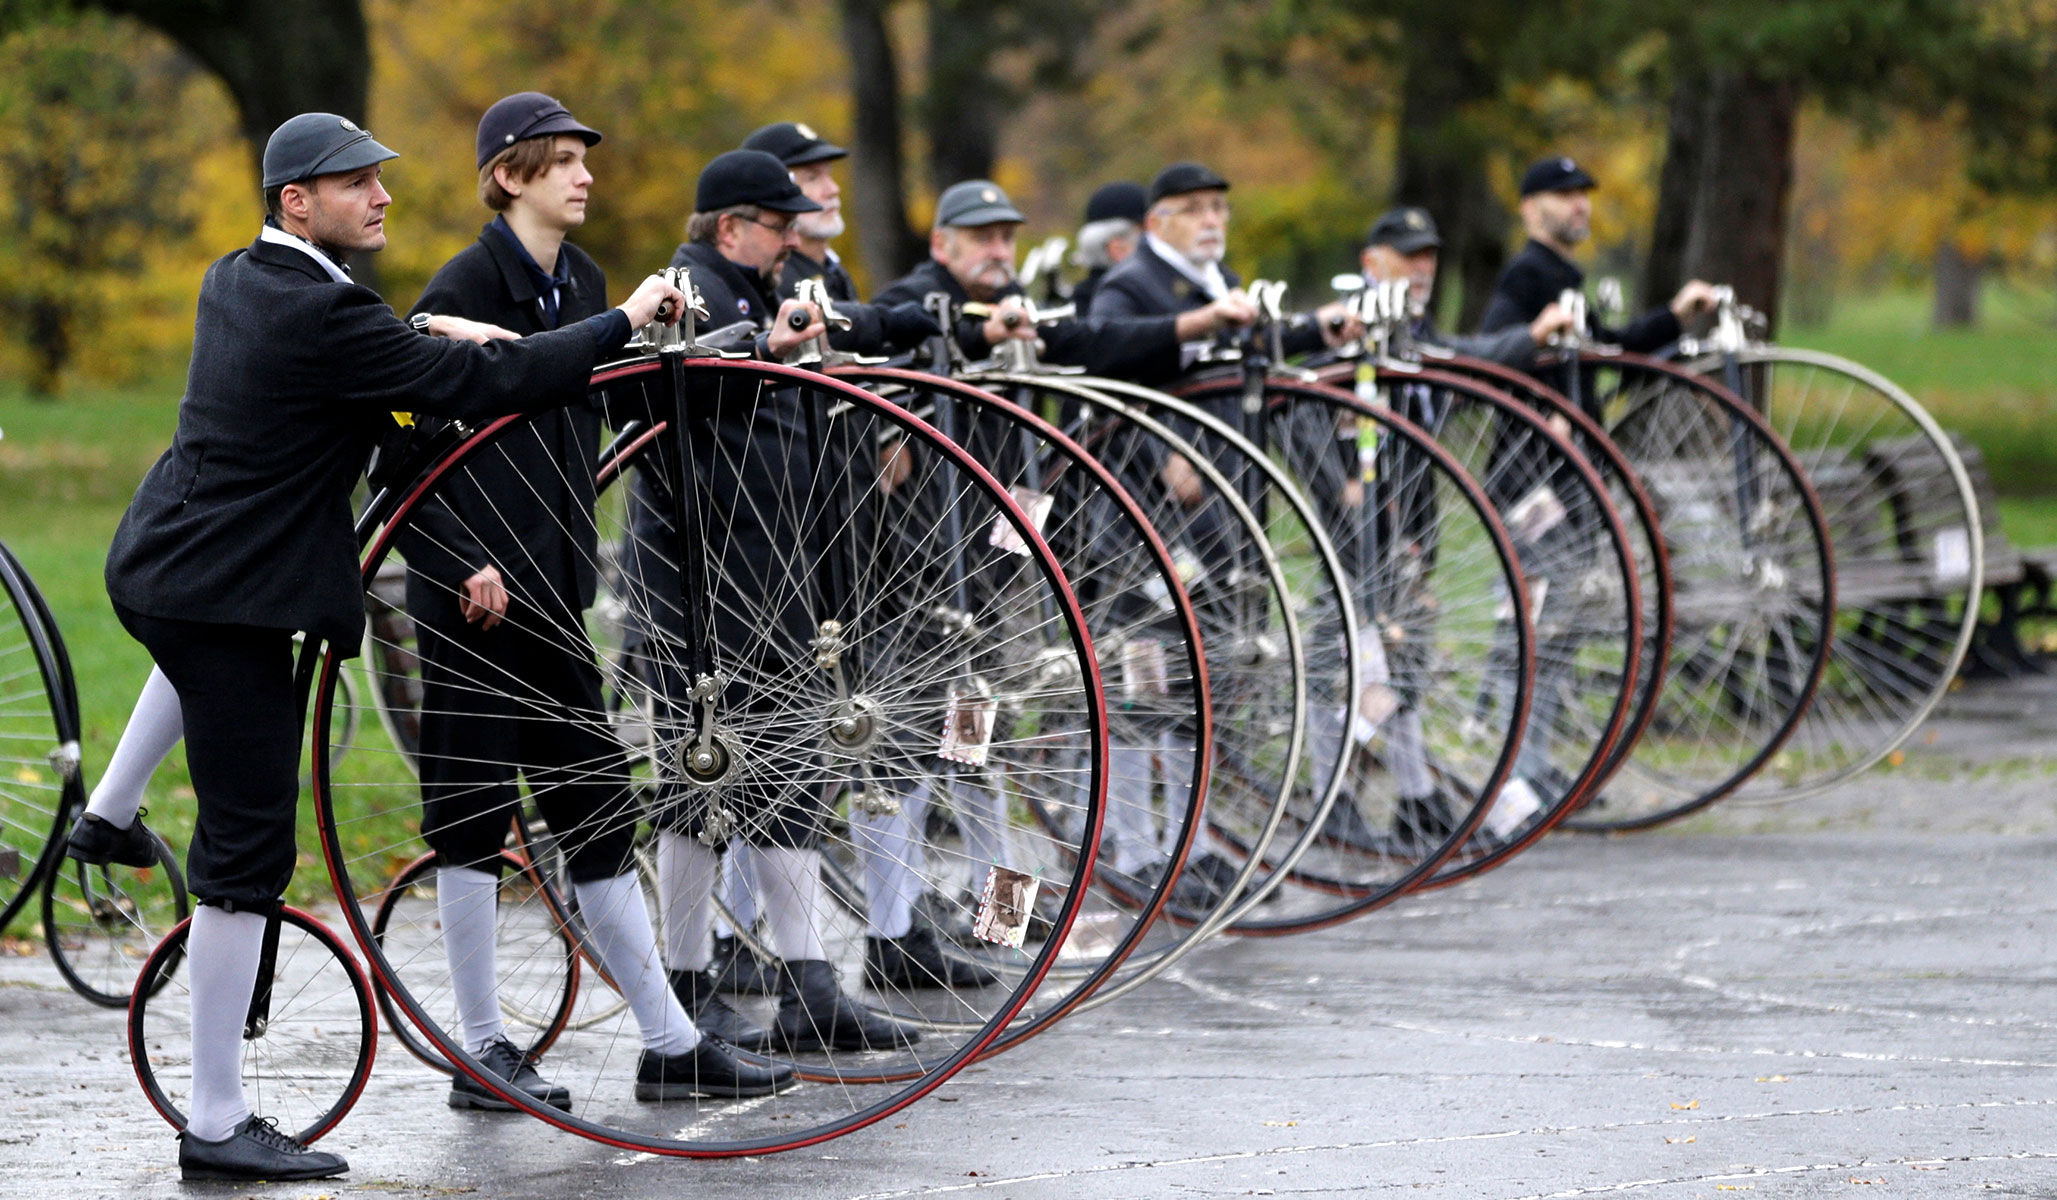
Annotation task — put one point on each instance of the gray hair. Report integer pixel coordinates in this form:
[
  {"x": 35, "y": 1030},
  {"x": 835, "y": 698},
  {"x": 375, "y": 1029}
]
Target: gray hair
[
  {"x": 701, "y": 226},
  {"x": 1093, "y": 237}
]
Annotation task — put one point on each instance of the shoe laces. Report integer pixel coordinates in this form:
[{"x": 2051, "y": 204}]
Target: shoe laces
[
  {"x": 503, "y": 1049},
  {"x": 267, "y": 1133}
]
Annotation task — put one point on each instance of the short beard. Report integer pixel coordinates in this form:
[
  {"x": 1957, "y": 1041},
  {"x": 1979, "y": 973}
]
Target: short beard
[
  {"x": 820, "y": 227},
  {"x": 1569, "y": 233}
]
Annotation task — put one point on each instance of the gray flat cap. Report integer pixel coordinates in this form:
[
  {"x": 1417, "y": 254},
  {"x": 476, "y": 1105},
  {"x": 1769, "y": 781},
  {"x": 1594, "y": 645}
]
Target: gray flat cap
[
  {"x": 975, "y": 202},
  {"x": 318, "y": 144}
]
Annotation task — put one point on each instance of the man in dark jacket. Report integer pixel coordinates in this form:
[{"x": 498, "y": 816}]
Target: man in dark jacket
[
  {"x": 1178, "y": 267},
  {"x": 971, "y": 257},
  {"x": 501, "y": 568},
  {"x": 242, "y": 534},
  {"x": 1404, "y": 244},
  {"x": 1557, "y": 212},
  {"x": 1113, "y": 229},
  {"x": 738, "y": 239}
]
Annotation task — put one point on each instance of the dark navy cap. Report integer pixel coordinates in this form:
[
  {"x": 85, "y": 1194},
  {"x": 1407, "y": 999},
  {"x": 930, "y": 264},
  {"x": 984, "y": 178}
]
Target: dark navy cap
[
  {"x": 525, "y": 115},
  {"x": 1408, "y": 230},
  {"x": 1558, "y": 174},
  {"x": 975, "y": 202},
  {"x": 794, "y": 144},
  {"x": 749, "y": 177},
  {"x": 318, "y": 144},
  {"x": 1123, "y": 201},
  {"x": 1180, "y": 178}
]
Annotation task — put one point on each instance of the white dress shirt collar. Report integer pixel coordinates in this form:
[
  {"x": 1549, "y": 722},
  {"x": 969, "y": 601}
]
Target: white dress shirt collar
[
  {"x": 279, "y": 237},
  {"x": 1209, "y": 278}
]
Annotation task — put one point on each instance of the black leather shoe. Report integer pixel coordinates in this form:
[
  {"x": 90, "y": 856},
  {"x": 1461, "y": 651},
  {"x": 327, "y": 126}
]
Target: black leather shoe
[
  {"x": 708, "y": 1069},
  {"x": 1421, "y": 823},
  {"x": 919, "y": 961},
  {"x": 814, "y": 1014},
  {"x": 1205, "y": 883},
  {"x": 1345, "y": 826},
  {"x": 97, "y": 842},
  {"x": 738, "y": 971},
  {"x": 256, "y": 1150},
  {"x": 510, "y": 1064},
  {"x": 700, "y": 994}
]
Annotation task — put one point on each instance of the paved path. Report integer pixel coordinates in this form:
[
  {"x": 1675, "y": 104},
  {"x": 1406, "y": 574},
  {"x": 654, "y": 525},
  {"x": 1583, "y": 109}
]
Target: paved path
[{"x": 1862, "y": 1005}]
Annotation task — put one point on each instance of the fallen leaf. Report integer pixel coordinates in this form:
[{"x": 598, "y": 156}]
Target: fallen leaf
[
  {"x": 1684, "y": 1141},
  {"x": 1773, "y": 1079},
  {"x": 1897, "y": 758},
  {"x": 1281, "y": 1124},
  {"x": 1854, "y": 1179},
  {"x": 1735, "y": 1187},
  {"x": 1687, "y": 1104}
]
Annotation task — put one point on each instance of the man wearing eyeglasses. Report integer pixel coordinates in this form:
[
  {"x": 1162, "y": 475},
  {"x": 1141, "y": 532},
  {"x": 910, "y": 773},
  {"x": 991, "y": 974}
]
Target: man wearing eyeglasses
[{"x": 1178, "y": 267}]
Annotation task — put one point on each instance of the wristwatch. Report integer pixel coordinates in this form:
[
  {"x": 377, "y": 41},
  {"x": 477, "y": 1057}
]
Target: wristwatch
[{"x": 420, "y": 321}]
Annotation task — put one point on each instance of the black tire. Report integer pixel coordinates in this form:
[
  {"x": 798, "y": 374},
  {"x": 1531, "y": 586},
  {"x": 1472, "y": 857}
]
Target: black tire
[
  {"x": 100, "y": 923},
  {"x": 39, "y": 739}
]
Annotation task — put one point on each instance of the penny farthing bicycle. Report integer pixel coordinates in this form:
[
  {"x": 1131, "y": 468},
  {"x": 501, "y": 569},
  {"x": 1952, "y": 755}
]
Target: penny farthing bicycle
[{"x": 803, "y": 625}]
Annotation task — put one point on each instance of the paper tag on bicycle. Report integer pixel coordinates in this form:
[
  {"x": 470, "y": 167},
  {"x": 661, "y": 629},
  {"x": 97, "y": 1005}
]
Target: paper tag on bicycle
[
  {"x": 1004, "y": 907},
  {"x": 1142, "y": 669},
  {"x": 1005, "y": 535},
  {"x": 1188, "y": 565},
  {"x": 1535, "y": 514},
  {"x": 1375, "y": 701},
  {"x": 1515, "y": 804},
  {"x": 1953, "y": 555},
  {"x": 967, "y": 729}
]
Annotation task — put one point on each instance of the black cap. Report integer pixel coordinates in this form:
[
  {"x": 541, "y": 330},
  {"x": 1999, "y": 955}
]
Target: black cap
[
  {"x": 1180, "y": 178},
  {"x": 1123, "y": 201},
  {"x": 318, "y": 144},
  {"x": 525, "y": 115},
  {"x": 975, "y": 202},
  {"x": 1558, "y": 174},
  {"x": 794, "y": 144},
  {"x": 749, "y": 177},
  {"x": 1408, "y": 230}
]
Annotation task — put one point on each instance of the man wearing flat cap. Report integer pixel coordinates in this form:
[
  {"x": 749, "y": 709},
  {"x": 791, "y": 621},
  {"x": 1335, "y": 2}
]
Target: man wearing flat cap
[
  {"x": 971, "y": 257},
  {"x": 811, "y": 158},
  {"x": 1404, "y": 244},
  {"x": 1114, "y": 226},
  {"x": 741, "y": 232},
  {"x": 242, "y": 534},
  {"x": 1178, "y": 267},
  {"x": 1557, "y": 212}
]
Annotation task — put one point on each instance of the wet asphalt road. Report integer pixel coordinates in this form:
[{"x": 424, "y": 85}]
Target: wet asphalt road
[{"x": 1857, "y": 1002}]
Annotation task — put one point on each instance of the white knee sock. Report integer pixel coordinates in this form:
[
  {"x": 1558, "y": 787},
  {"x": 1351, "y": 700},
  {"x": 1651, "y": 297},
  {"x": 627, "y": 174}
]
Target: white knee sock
[
  {"x": 685, "y": 889},
  {"x": 154, "y": 728},
  {"x": 619, "y": 926},
  {"x": 793, "y": 901},
  {"x": 891, "y": 855},
  {"x": 1129, "y": 826},
  {"x": 1176, "y": 755},
  {"x": 981, "y": 805},
  {"x": 739, "y": 886},
  {"x": 222, "y": 950},
  {"x": 468, "y": 901}
]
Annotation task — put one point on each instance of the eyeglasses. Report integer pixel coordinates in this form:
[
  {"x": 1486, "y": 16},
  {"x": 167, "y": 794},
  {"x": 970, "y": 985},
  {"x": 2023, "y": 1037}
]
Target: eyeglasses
[{"x": 782, "y": 228}]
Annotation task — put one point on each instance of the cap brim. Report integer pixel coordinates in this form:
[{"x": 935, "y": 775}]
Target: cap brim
[
  {"x": 814, "y": 154},
  {"x": 797, "y": 203},
  {"x": 354, "y": 157},
  {"x": 986, "y": 214},
  {"x": 1411, "y": 243},
  {"x": 565, "y": 124}
]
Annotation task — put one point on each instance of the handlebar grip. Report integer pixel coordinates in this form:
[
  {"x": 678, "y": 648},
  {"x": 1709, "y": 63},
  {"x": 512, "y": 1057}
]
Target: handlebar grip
[
  {"x": 1011, "y": 319},
  {"x": 1335, "y": 323},
  {"x": 799, "y": 319},
  {"x": 664, "y": 311}
]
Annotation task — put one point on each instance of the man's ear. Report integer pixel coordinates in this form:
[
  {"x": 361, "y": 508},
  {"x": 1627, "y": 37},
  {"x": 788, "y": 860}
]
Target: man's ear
[
  {"x": 505, "y": 178},
  {"x": 939, "y": 240},
  {"x": 295, "y": 199}
]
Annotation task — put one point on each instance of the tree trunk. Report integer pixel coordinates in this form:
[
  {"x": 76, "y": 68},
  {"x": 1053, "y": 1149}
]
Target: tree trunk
[
  {"x": 277, "y": 60},
  {"x": 1442, "y": 161},
  {"x": 1677, "y": 186},
  {"x": 962, "y": 112},
  {"x": 1744, "y": 178},
  {"x": 888, "y": 248},
  {"x": 1957, "y": 284}
]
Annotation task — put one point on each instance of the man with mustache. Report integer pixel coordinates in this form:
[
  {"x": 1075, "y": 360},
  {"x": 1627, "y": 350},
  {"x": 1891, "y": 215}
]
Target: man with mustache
[{"x": 971, "y": 257}]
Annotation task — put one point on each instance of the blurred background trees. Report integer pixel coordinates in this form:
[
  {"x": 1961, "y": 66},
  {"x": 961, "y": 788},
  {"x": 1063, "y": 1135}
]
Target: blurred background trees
[{"x": 1806, "y": 150}]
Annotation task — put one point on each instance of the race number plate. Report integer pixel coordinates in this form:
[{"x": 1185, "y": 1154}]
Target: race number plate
[
  {"x": 1005, "y": 536},
  {"x": 1004, "y": 907},
  {"x": 967, "y": 729}
]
